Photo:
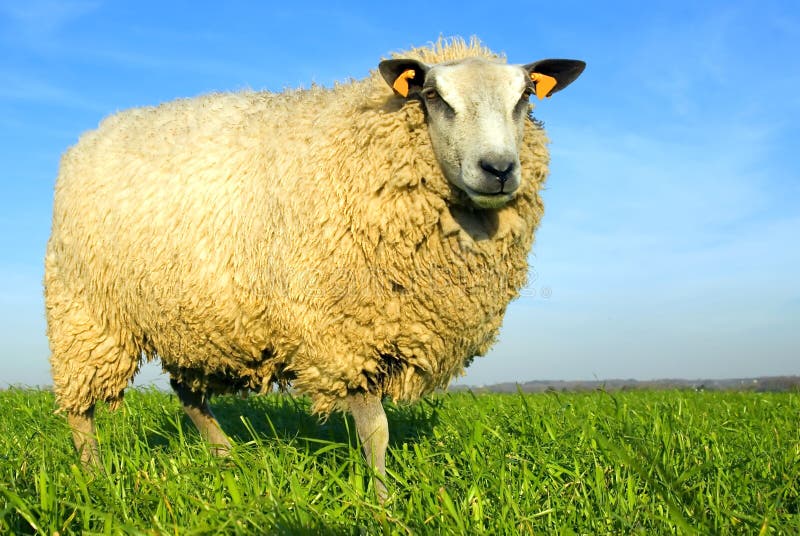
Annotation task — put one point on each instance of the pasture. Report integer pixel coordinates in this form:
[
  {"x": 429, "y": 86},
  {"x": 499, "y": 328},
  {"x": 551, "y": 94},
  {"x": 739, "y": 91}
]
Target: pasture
[{"x": 647, "y": 462}]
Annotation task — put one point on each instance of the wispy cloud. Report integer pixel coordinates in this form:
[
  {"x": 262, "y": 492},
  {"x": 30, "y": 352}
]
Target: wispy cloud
[
  {"x": 349, "y": 21},
  {"x": 37, "y": 25},
  {"x": 18, "y": 87},
  {"x": 127, "y": 58},
  {"x": 717, "y": 57},
  {"x": 37, "y": 21}
]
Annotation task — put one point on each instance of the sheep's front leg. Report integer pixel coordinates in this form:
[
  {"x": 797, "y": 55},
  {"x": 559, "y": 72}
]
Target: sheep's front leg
[
  {"x": 373, "y": 431},
  {"x": 83, "y": 435},
  {"x": 196, "y": 407}
]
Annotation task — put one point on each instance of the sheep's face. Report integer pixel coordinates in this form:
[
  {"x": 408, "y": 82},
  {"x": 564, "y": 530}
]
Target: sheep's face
[{"x": 476, "y": 111}]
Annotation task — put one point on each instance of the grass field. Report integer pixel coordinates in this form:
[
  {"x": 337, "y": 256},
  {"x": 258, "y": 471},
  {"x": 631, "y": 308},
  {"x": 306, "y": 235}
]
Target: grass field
[{"x": 592, "y": 463}]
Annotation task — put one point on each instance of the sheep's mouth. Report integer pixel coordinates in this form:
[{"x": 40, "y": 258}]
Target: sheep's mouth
[{"x": 489, "y": 201}]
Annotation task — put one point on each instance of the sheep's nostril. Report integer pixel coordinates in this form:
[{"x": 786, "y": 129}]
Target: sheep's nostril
[{"x": 500, "y": 169}]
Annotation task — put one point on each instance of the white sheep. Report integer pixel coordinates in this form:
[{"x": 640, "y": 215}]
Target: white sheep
[{"x": 355, "y": 242}]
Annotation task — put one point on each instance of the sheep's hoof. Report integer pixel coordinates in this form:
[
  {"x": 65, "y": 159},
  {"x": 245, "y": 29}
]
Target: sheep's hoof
[
  {"x": 380, "y": 490},
  {"x": 90, "y": 457},
  {"x": 221, "y": 450}
]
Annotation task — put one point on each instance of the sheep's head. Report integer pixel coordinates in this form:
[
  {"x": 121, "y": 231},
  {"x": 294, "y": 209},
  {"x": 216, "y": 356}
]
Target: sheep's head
[{"x": 476, "y": 110}]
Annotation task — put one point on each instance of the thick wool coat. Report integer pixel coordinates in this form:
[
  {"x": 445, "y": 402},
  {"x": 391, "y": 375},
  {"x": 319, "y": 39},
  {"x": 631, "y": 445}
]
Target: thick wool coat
[{"x": 305, "y": 237}]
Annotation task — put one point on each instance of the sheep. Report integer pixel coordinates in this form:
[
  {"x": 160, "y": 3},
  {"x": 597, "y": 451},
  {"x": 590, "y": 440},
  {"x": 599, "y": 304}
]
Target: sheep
[{"x": 356, "y": 242}]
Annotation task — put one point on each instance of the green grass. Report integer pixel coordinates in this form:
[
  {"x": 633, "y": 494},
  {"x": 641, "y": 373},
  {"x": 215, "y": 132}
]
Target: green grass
[{"x": 592, "y": 463}]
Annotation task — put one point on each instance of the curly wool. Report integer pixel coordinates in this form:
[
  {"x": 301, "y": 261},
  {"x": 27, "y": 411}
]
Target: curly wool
[{"x": 306, "y": 237}]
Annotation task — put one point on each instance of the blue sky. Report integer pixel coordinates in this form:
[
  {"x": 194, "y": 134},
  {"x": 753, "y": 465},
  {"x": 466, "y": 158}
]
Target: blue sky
[{"x": 669, "y": 246}]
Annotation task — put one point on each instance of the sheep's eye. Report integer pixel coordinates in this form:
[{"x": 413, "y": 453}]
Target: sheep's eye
[
  {"x": 527, "y": 93},
  {"x": 431, "y": 94}
]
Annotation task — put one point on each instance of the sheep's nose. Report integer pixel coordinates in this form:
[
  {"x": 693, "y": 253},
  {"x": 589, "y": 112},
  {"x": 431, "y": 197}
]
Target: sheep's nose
[{"x": 497, "y": 166}]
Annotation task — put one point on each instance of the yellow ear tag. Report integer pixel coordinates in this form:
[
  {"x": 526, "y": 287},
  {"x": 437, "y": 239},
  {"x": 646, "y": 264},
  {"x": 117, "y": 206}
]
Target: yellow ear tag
[
  {"x": 401, "y": 84},
  {"x": 544, "y": 84}
]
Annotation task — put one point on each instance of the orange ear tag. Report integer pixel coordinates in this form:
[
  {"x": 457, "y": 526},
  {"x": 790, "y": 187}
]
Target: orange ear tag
[
  {"x": 544, "y": 84},
  {"x": 401, "y": 84}
]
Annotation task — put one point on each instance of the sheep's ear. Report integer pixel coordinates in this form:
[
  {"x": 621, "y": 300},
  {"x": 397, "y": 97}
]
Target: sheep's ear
[
  {"x": 549, "y": 76},
  {"x": 405, "y": 76}
]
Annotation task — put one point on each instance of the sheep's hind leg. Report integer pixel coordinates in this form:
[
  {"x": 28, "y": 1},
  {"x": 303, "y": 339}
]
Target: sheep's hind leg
[
  {"x": 373, "y": 431},
  {"x": 89, "y": 361},
  {"x": 196, "y": 406},
  {"x": 83, "y": 435}
]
